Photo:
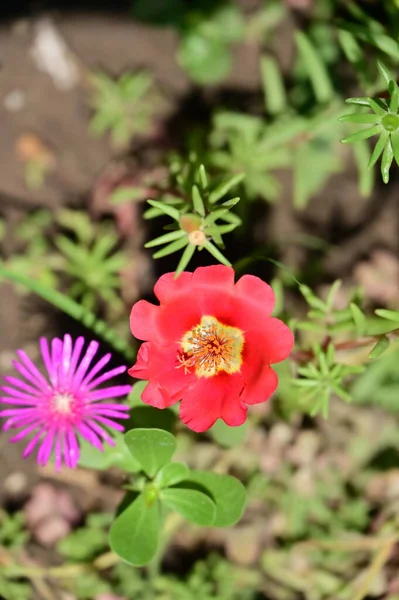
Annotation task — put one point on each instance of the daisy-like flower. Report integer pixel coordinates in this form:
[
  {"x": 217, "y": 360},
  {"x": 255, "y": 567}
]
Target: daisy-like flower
[
  {"x": 210, "y": 344},
  {"x": 65, "y": 406}
]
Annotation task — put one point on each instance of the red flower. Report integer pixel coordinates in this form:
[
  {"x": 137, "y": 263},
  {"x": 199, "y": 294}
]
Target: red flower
[{"x": 210, "y": 344}]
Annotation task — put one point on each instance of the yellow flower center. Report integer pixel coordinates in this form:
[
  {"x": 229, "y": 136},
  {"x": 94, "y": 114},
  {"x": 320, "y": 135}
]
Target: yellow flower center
[
  {"x": 211, "y": 347},
  {"x": 63, "y": 403}
]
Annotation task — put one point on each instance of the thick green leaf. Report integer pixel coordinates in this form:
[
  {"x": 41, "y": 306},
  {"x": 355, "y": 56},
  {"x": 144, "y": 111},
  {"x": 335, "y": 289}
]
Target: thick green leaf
[
  {"x": 315, "y": 68},
  {"x": 217, "y": 254},
  {"x": 358, "y": 317},
  {"x": 184, "y": 259},
  {"x": 223, "y": 188},
  {"x": 171, "y": 248},
  {"x": 386, "y": 75},
  {"x": 152, "y": 448},
  {"x": 165, "y": 208},
  {"x": 191, "y": 504},
  {"x": 134, "y": 533},
  {"x": 198, "y": 203},
  {"x": 226, "y": 436},
  {"x": 165, "y": 239},
  {"x": 362, "y": 135},
  {"x": 361, "y": 151},
  {"x": 378, "y": 148},
  {"x": 391, "y": 315},
  {"x": 359, "y": 118},
  {"x": 227, "y": 492},
  {"x": 171, "y": 474},
  {"x": 395, "y": 145},
  {"x": 273, "y": 85},
  {"x": 379, "y": 348},
  {"x": 386, "y": 161}
]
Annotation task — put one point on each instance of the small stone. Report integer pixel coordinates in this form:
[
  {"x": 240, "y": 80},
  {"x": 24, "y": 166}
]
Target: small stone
[{"x": 14, "y": 101}]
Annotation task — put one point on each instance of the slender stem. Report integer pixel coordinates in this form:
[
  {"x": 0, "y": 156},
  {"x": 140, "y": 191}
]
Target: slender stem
[
  {"x": 378, "y": 563},
  {"x": 303, "y": 356}
]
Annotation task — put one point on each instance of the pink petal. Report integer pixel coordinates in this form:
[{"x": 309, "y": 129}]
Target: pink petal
[
  {"x": 106, "y": 377},
  {"x": 97, "y": 367},
  {"x": 35, "y": 374},
  {"x": 23, "y": 386},
  {"x": 110, "y": 392},
  {"x": 84, "y": 365},
  {"x": 76, "y": 352}
]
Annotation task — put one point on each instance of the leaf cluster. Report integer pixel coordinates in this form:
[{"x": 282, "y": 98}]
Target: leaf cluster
[{"x": 202, "y": 497}]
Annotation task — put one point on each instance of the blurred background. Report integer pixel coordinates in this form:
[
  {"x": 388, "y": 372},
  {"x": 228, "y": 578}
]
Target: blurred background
[{"x": 97, "y": 102}]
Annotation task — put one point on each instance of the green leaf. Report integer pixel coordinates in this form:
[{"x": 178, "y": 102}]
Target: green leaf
[
  {"x": 395, "y": 145},
  {"x": 164, "y": 239},
  {"x": 125, "y": 194},
  {"x": 112, "y": 456},
  {"x": 223, "y": 188},
  {"x": 386, "y": 161},
  {"x": 227, "y": 492},
  {"x": 134, "y": 534},
  {"x": 359, "y": 118},
  {"x": 358, "y": 101},
  {"x": 227, "y": 436},
  {"x": 378, "y": 148},
  {"x": 152, "y": 448},
  {"x": 206, "y": 60},
  {"x": 386, "y": 75},
  {"x": 165, "y": 208},
  {"x": 394, "y": 102},
  {"x": 358, "y": 317},
  {"x": 203, "y": 177},
  {"x": 198, "y": 203},
  {"x": 377, "y": 106},
  {"x": 391, "y": 315},
  {"x": 361, "y": 151},
  {"x": 172, "y": 247},
  {"x": 217, "y": 254},
  {"x": 185, "y": 259},
  {"x": 315, "y": 68},
  {"x": 171, "y": 474},
  {"x": 191, "y": 504},
  {"x": 379, "y": 348},
  {"x": 273, "y": 85},
  {"x": 361, "y": 135}
]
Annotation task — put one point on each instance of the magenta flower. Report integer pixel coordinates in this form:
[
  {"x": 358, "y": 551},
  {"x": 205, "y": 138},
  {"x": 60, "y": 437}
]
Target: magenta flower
[{"x": 66, "y": 406}]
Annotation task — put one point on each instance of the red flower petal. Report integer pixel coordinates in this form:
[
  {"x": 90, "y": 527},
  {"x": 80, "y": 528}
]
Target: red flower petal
[
  {"x": 167, "y": 288},
  {"x": 156, "y": 396},
  {"x": 254, "y": 301},
  {"x": 260, "y": 389},
  {"x": 275, "y": 340},
  {"x": 143, "y": 320},
  {"x": 212, "y": 398},
  {"x": 140, "y": 369},
  {"x": 178, "y": 317},
  {"x": 213, "y": 290}
]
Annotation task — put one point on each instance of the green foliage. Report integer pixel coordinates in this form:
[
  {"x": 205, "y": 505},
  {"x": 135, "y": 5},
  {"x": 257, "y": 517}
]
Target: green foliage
[
  {"x": 383, "y": 121},
  {"x": 70, "y": 307},
  {"x": 12, "y": 530},
  {"x": 87, "y": 542},
  {"x": 122, "y": 107},
  {"x": 379, "y": 384},
  {"x": 323, "y": 378},
  {"x": 203, "y": 498},
  {"x": 90, "y": 260},
  {"x": 196, "y": 210},
  {"x": 207, "y": 30}
]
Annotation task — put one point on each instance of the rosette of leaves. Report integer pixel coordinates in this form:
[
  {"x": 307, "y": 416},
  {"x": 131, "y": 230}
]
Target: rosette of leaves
[
  {"x": 90, "y": 260},
  {"x": 162, "y": 488},
  {"x": 383, "y": 121},
  {"x": 196, "y": 214},
  {"x": 122, "y": 107}
]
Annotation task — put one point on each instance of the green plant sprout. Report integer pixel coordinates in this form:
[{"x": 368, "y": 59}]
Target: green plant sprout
[
  {"x": 124, "y": 107},
  {"x": 91, "y": 260},
  {"x": 196, "y": 212},
  {"x": 383, "y": 121}
]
